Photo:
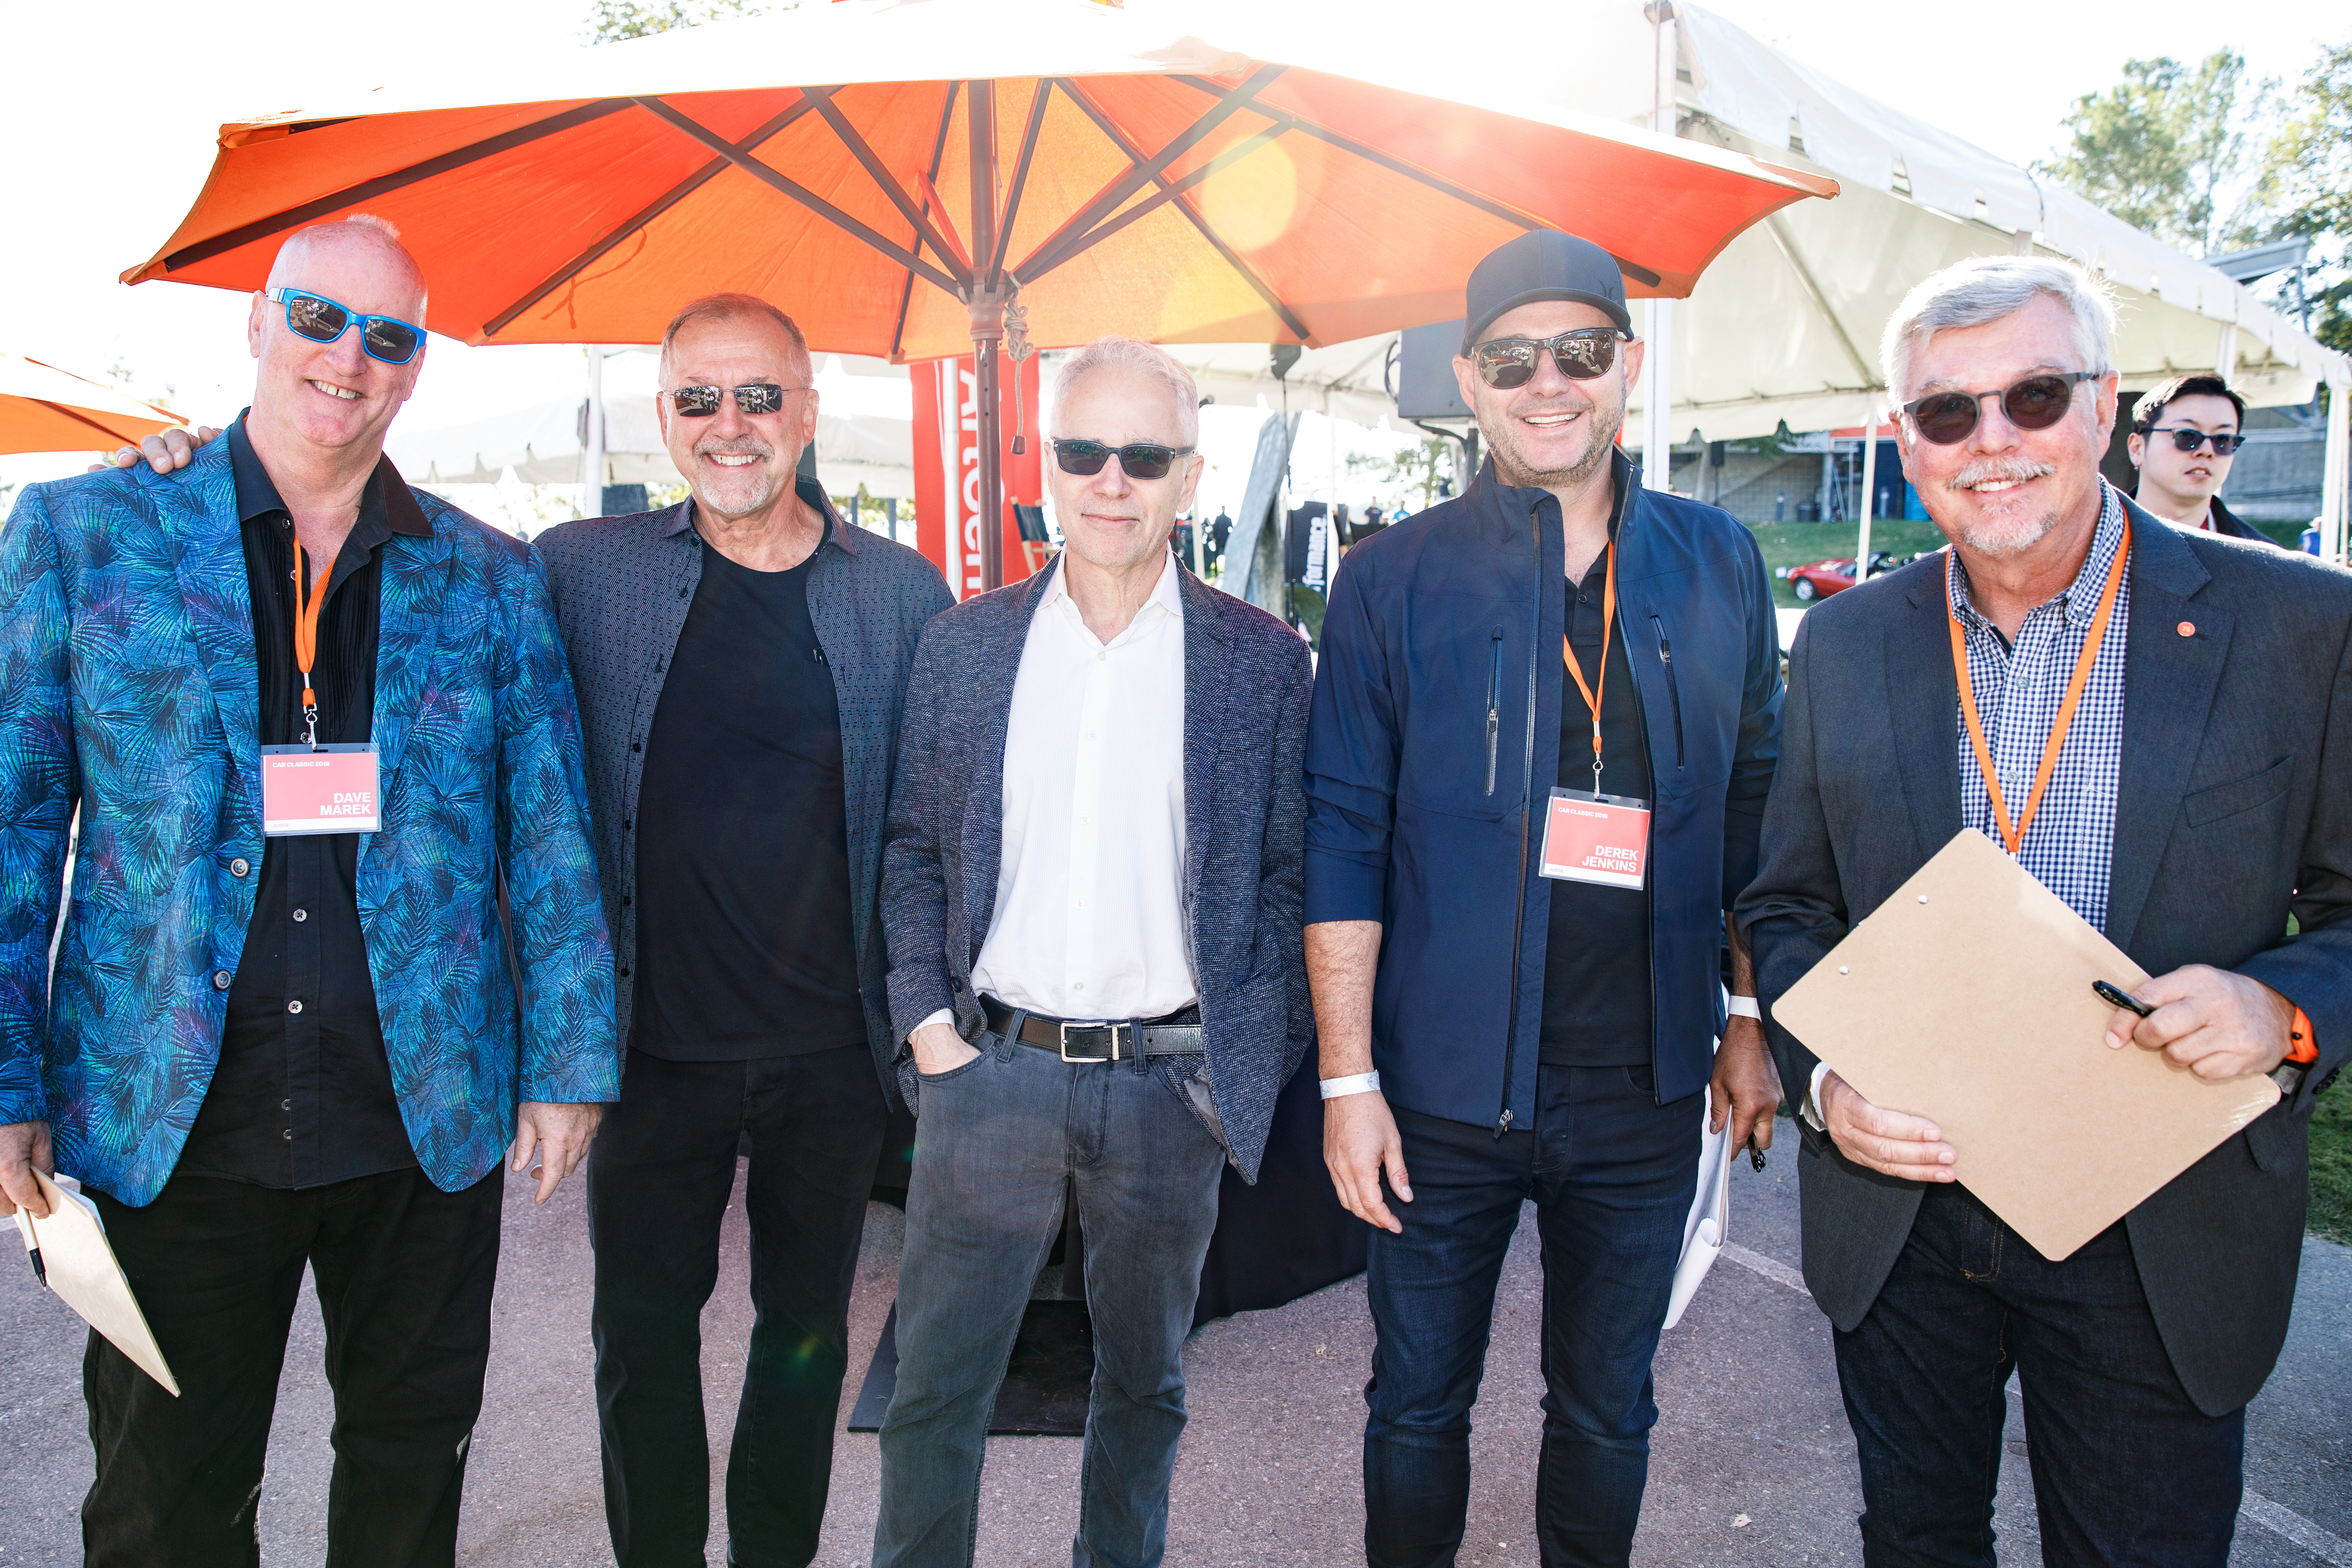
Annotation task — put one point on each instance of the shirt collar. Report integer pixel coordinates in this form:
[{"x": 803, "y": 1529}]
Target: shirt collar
[
  {"x": 1167, "y": 594},
  {"x": 386, "y": 506},
  {"x": 837, "y": 531},
  {"x": 2080, "y": 599}
]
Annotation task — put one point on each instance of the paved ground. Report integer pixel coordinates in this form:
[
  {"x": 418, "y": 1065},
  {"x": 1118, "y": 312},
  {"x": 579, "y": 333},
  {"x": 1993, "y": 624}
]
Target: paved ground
[{"x": 1753, "y": 1462}]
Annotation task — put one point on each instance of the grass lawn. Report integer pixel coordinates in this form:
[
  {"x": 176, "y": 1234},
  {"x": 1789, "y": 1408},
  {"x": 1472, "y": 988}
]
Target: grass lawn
[
  {"x": 2331, "y": 1166},
  {"x": 1795, "y": 543}
]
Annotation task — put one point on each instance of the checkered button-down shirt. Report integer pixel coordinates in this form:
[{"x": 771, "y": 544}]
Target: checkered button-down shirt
[{"x": 2070, "y": 845}]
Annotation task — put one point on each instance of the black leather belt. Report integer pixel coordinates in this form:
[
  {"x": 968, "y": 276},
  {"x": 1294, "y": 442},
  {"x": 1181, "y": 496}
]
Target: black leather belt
[{"x": 1177, "y": 1035}]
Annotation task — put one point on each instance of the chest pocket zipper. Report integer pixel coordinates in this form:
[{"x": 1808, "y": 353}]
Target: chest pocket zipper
[
  {"x": 1494, "y": 707},
  {"x": 1673, "y": 690}
]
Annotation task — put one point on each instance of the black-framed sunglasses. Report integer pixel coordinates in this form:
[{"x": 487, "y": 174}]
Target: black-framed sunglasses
[
  {"x": 1582, "y": 354},
  {"x": 1137, "y": 459},
  {"x": 2036, "y": 403},
  {"x": 2184, "y": 439},
  {"x": 322, "y": 320},
  {"x": 751, "y": 397}
]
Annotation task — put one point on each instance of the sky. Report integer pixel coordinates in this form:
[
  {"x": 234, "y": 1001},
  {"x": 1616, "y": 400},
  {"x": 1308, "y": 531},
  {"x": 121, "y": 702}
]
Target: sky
[{"x": 110, "y": 112}]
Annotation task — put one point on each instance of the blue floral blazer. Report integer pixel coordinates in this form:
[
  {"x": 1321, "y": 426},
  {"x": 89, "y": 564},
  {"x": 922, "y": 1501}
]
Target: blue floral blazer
[{"x": 128, "y": 692}]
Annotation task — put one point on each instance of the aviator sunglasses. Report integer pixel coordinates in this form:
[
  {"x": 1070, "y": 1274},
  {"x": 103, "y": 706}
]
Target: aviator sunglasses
[
  {"x": 753, "y": 397},
  {"x": 1137, "y": 459},
  {"x": 1949, "y": 419},
  {"x": 1582, "y": 354},
  {"x": 2186, "y": 440},
  {"x": 321, "y": 319}
]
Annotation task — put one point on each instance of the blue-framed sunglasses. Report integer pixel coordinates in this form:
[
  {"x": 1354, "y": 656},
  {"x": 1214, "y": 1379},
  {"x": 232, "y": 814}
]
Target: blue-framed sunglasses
[{"x": 321, "y": 319}]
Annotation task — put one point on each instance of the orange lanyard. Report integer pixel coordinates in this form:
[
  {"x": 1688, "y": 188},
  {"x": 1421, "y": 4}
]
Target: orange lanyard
[
  {"x": 1567, "y": 656},
  {"x": 2015, "y": 836},
  {"x": 306, "y": 637}
]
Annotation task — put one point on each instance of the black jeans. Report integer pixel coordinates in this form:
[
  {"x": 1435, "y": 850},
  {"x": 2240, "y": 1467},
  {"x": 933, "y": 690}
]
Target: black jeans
[
  {"x": 1613, "y": 1173},
  {"x": 659, "y": 1181},
  {"x": 2127, "y": 1473},
  {"x": 403, "y": 1272}
]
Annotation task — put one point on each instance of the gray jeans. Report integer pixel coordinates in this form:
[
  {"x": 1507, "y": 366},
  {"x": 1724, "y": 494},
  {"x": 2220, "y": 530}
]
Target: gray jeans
[{"x": 996, "y": 1141}]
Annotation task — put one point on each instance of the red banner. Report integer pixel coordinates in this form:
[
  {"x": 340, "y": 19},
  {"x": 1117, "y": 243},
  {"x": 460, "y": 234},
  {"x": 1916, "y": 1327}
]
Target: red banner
[{"x": 947, "y": 469}]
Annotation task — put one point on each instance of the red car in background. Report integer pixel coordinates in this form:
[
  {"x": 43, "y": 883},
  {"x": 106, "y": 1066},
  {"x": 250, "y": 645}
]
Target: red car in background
[{"x": 1817, "y": 579}]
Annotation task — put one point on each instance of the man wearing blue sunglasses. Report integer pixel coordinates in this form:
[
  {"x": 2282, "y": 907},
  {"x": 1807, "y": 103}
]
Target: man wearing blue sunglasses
[{"x": 283, "y": 1030}]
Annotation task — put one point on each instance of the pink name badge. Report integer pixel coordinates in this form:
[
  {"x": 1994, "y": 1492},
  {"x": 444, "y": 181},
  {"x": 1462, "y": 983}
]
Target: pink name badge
[
  {"x": 1596, "y": 838},
  {"x": 330, "y": 790}
]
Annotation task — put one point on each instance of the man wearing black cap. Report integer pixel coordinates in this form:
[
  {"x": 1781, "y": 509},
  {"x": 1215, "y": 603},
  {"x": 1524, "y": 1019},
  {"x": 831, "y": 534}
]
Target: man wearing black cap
[{"x": 1543, "y": 731}]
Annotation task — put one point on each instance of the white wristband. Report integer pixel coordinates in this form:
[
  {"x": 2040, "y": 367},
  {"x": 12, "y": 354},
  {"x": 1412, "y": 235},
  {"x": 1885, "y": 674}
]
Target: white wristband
[
  {"x": 1359, "y": 1083},
  {"x": 1744, "y": 1008}
]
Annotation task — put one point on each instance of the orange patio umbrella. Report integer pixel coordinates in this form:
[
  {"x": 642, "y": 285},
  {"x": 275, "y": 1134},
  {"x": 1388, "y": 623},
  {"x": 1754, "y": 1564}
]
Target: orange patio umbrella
[
  {"x": 45, "y": 409},
  {"x": 916, "y": 178}
]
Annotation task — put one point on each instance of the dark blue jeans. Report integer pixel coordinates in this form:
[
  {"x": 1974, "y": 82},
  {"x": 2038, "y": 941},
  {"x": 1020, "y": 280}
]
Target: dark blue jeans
[
  {"x": 2127, "y": 1473},
  {"x": 995, "y": 1141},
  {"x": 1613, "y": 1173}
]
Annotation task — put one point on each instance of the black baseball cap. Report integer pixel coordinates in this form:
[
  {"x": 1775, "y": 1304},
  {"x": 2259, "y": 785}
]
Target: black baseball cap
[{"x": 1543, "y": 264}]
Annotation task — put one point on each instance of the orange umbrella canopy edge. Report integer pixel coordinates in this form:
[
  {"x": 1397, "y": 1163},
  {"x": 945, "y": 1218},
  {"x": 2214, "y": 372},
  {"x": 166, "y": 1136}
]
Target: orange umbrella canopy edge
[{"x": 45, "y": 409}]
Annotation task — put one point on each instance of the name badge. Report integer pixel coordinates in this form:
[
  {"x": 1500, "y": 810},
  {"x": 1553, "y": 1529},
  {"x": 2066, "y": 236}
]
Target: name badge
[
  {"x": 1596, "y": 838},
  {"x": 331, "y": 790}
]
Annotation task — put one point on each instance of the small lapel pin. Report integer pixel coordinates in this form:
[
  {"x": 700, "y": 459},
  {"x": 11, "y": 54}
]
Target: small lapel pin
[{"x": 2187, "y": 629}]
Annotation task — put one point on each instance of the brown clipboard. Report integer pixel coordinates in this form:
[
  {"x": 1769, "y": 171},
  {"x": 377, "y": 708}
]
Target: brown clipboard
[{"x": 1966, "y": 998}]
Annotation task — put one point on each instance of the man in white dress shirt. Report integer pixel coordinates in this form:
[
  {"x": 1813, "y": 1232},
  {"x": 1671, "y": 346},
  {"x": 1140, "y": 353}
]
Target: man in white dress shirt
[{"x": 1092, "y": 893}]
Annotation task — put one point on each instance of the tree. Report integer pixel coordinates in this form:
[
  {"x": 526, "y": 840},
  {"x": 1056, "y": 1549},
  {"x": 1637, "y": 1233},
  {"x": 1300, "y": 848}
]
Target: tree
[
  {"x": 2158, "y": 148},
  {"x": 610, "y": 21},
  {"x": 2305, "y": 188}
]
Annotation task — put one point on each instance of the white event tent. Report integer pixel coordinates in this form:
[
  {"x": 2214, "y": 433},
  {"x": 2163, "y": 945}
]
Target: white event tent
[{"x": 1784, "y": 326}]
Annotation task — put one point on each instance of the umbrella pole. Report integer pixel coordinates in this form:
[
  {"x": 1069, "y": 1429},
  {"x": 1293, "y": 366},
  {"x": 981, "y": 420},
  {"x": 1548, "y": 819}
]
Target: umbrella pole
[{"x": 987, "y": 303}]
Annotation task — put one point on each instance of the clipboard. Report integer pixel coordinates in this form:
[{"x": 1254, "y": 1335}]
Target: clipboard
[
  {"x": 1966, "y": 998},
  {"x": 80, "y": 1268}
]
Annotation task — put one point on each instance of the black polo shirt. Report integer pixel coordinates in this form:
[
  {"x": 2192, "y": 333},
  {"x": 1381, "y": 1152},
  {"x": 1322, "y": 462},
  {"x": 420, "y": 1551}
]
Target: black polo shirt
[
  {"x": 1597, "y": 1004},
  {"x": 302, "y": 1098}
]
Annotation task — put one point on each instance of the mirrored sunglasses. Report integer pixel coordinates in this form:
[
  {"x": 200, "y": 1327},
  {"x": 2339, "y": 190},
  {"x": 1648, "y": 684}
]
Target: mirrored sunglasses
[
  {"x": 322, "y": 320},
  {"x": 1589, "y": 352},
  {"x": 753, "y": 397}
]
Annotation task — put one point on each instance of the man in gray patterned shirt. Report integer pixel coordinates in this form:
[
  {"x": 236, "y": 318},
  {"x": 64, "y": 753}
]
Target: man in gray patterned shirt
[{"x": 2155, "y": 723}]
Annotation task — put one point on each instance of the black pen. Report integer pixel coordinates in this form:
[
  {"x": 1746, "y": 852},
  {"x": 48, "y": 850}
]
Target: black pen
[
  {"x": 2115, "y": 996},
  {"x": 33, "y": 1251}
]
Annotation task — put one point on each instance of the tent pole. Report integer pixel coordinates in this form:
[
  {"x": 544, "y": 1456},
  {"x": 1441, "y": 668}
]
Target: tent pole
[
  {"x": 1869, "y": 496},
  {"x": 2335, "y": 501},
  {"x": 592, "y": 445},
  {"x": 987, "y": 303},
  {"x": 1658, "y": 369}
]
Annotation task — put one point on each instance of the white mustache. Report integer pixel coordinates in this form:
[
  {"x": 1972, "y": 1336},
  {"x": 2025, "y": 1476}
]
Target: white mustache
[
  {"x": 734, "y": 449},
  {"x": 1996, "y": 470}
]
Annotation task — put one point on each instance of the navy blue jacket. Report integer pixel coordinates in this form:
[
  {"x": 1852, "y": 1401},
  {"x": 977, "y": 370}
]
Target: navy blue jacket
[{"x": 1424, "y": 815}]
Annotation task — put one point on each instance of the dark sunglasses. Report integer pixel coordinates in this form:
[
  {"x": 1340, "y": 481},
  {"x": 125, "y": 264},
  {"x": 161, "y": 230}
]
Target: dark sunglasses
[
  {"x": 2186, "y": 440},
  {"x": 1582, "y": 354},
  {"x": 1137, "y": 459},
  {"x": 321, "y": 319},
  {"x": 754, "y": 398},
  {"x": 1947, "y": 419}
]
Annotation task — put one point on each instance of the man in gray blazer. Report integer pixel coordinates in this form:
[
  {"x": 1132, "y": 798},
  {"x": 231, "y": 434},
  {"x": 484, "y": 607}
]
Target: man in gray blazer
[
  {"x": 740, "y": 659},
  {"x": 1092, "y": 889},
  {"x": 2196, "y": 801}
]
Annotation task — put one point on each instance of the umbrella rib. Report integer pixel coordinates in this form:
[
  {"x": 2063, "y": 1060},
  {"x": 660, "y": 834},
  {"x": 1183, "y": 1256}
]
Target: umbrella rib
[
  {"x": 660, "y": 206},
  {"x": 78, "y": 417},
  {"x": 1020, "y": 179},
  {"x": 1216, "y": 241},
  {"x": 205, "y": 249},
  {"x": 1166, "y": 193},
  {"x": 1787, "y": 247},
  {"x": 1143, "y": 170},
  {"x": 939, "y": 151},
  {"x": 801, "y": 194},
  {"x": 1509, "y": 214},
  {"x": 863, "y": 151}
]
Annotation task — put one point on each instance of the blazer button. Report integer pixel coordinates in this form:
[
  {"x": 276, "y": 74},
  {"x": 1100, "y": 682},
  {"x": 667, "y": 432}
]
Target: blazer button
[
  {"x": 240, "y": 867},
  {"x": 220, "y": 979}
]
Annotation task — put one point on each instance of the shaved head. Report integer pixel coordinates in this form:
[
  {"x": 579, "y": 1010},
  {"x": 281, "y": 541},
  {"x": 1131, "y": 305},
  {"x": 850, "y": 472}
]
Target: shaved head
[{"x": 322, "y": 244}]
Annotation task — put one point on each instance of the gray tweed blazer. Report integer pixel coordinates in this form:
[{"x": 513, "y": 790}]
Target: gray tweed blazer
[
  {"x": 1247, "y": 679},
  {"x": 623, "y": 586}
]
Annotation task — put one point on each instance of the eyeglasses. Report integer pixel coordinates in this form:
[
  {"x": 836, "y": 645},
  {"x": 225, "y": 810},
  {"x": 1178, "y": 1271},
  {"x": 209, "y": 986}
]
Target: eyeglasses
[
  {"x": 2184, "y": 439},
  {"x": 1137, "y": 459},
  {"x": 1949, "y": 419},
  {"x": 753, "y": 397},
  {"x": 1582, "y": 354},
  {"x": 321, "y": 319}
]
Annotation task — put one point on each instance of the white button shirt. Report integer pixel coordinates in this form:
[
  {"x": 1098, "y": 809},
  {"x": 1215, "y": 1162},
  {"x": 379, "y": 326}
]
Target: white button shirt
[{"x": 1090, "y": 917}]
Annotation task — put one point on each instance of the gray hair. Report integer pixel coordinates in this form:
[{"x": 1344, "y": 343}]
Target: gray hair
[
  {"x": 1986, "y": 288},
  {"x": 1144, "y": 359},
  {"x": 731, "y": 308}
]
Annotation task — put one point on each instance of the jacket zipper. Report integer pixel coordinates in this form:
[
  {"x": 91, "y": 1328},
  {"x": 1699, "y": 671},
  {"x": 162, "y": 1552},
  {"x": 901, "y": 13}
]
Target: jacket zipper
[
  {"x": 1494, "y": 708},
  {"x": 1527, "y": 811},
  {"x": 1673, "y": 690}
]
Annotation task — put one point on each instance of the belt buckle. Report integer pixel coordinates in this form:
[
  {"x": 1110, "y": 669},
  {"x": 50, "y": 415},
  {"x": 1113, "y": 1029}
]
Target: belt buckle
[{"x": 1109, "y": 1030}]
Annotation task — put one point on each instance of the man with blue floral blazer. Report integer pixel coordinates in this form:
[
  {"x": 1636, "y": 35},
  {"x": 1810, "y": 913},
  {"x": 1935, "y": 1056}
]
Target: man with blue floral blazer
[{"x": 332, "y": 943}]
